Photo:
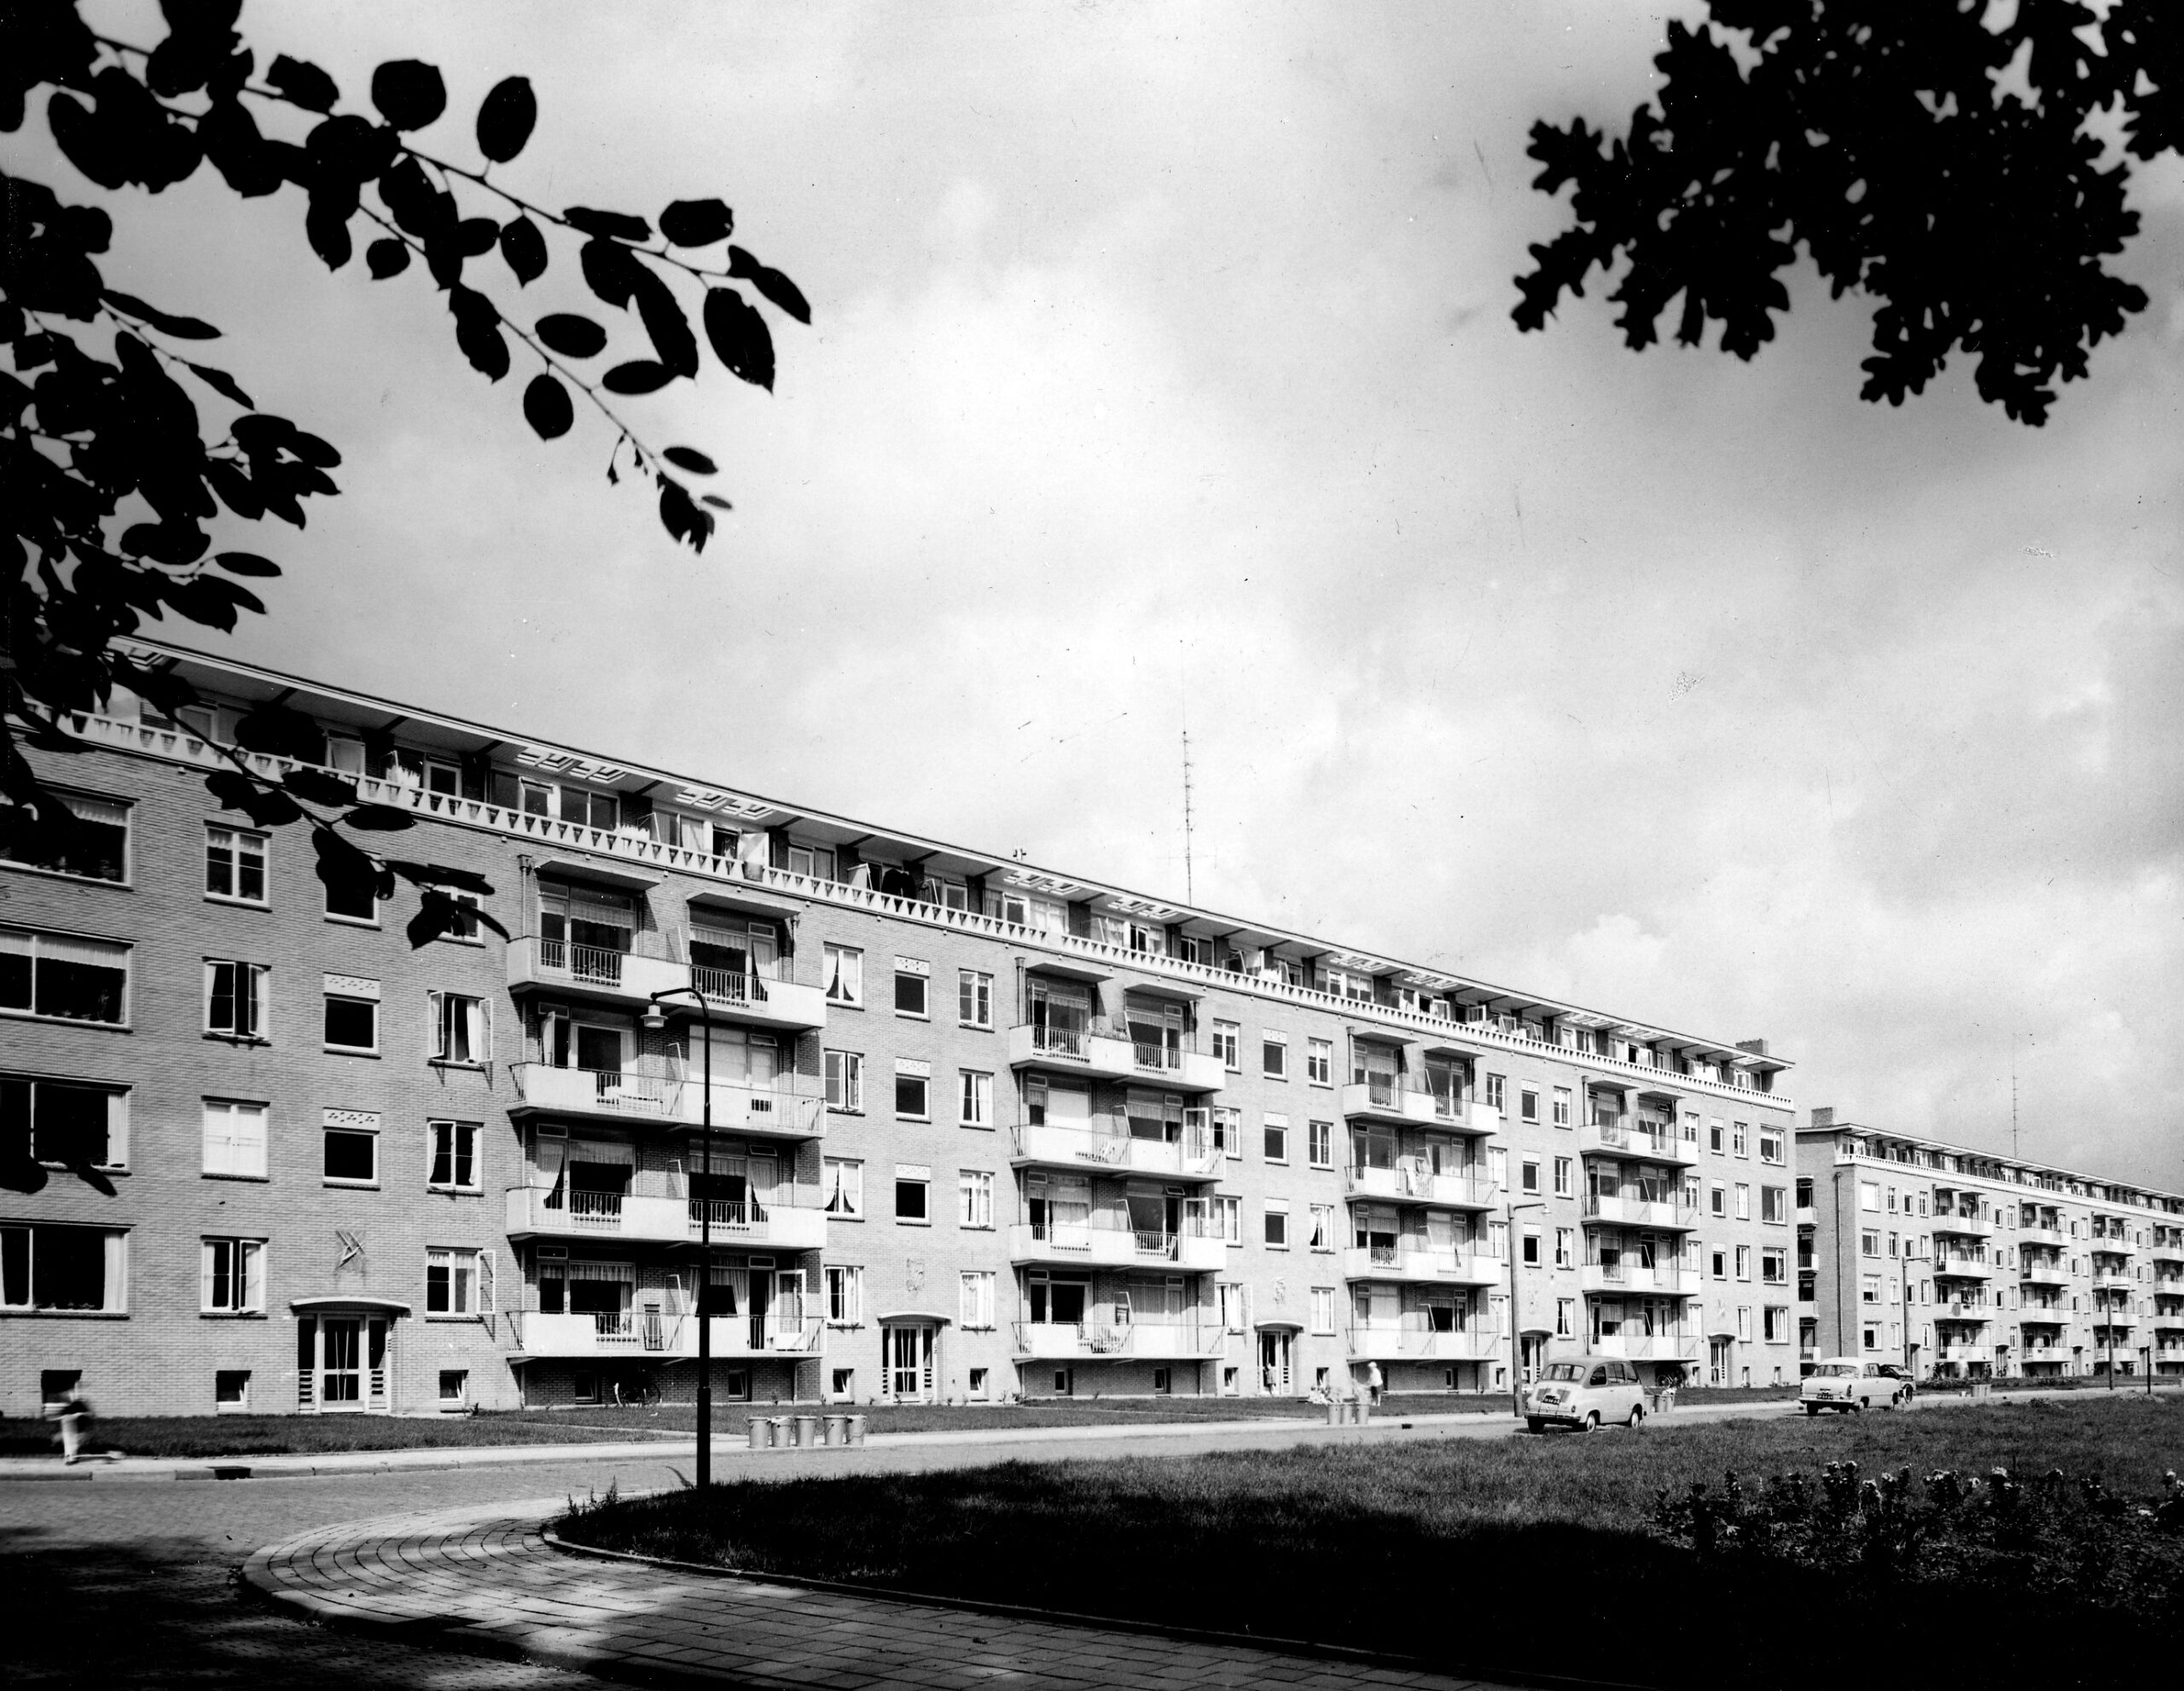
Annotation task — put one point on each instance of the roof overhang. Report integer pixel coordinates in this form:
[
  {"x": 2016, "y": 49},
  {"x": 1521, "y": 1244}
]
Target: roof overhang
[
  {"x": 933, "y": 1316},
  {"x": 337, "y": 1301},
  {"x": 602, "y": 869},
  {"x": 732, "y": 898}
]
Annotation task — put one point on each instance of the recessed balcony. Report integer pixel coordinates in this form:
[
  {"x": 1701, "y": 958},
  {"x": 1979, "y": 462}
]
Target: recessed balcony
[
  {"x": 1964, "y": 1314},
  {"x": 770, "y": 998},
  {"x": 1637, "y": 1210},
  {"x": 2044, "y": 1314},
  {"x": 1388, "y": 1098},
  {"x": 1104, "y": 1050},
  {"x": 654, "y": 1335},
  {"x": 1398, "y": 1342},
  {"x": 1656, "y": 1347},
  {"x": 2043, "y": 1235},
  {"x": 1962, "y": 1267},
  {"x": 1953, "y": 1225},
  {"x": 1630, "y": 1279},
  {"x": 1126, "y": 1341},
  {"x": 1964, "y": 1353},
  {"x": 1420, "y": 1267},
  {"x": 789, "y": 1109},
  {"x": 2044, "y": 1274},
  {"x": 2115, "y": 1280},
  {"x": 1621, "y": 1136},
  {"x": 1082, "y": 1244},
  {"x": 2167, "y": 1250},
  {"x": 791, "y": 1219},
  {"x": 1465, "y": 1188},
  {"x": 1089, "y": 1151}
]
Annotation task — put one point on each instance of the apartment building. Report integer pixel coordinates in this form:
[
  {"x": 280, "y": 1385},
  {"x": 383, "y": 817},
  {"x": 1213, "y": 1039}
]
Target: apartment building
[
  {"x": 1965, "y": 1264},
  {"x": 898, "y": 1120}
]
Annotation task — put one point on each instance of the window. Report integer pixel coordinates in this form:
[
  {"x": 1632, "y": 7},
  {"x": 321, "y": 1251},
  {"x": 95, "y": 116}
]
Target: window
[
  {"x": 1744, "y": 1262},
  {"x": 351, "y": 1157},
  {"x": 44, "y": 1266},
  {"x": 454, "y": 1157},
  {"x": 843, "y": 1185},
  {"x": 1323, "y": 1308},
  {"x": 1719, "y": 1262},
  {"x": 235, "y": 999},
  {"x": 1774, "y": 1204},
  {"x": 235, "y": 865},
  {"x": 1563, "y": 1243},
  {"x": 1869, "y": 1244},
  {"x": 231, "y": 1390},
  {"x": 58, "y": 1122},
  {"x": 974, "y": 998},
  {"x": 1869, "y": 1290},
  {"x": 1775, "y": 1267},
  {"x": 1776, "y": 1317},
  {"x": 234, "y": 1138},
  {"x": 349, "y": 899},
  {"x": 1277, "y": 1224},
  {"x": 94, "y": 847},
  {"x": 1869, "y": 1196},
  {"x": 352, "y": 1021},
  {"x": 1274, "y": 1056},
  {"x": 913, "y": 1089},
  {"x": 1566, "y": 1317},
  {"x": 1718, "y": 1198},
  {"x": 912, "y": 982},
  {"x": 1531, "y": 1247},
  {"x": 1497, "y": 1165},
  {"x": 1739, "y": 1140},
  {"x": 845, "y": 1081},
  {"x": 843, "y": 967},
  {"x": 460, "y": 1031},
  {"x": 62, "y": 976},
  {"x": 1562, "y": 1107},
  {"x": 1319, "y": 1144},
  {"x": 1744, "y": 1201},
  {"x": 1528, "y": 1105},
  {"x": 975, "y": 1193},
  {"x": 1228, "y": 1219},
  {"x": 844, "y": 1295},
  {"x": 1319, "y": 1061},
  {"x": 1563, "y": 1177},
  {"x": 231, "y": 1279},
  {"x": 1715, "y": 1130},
  {"x": 1228, "y": 1038},
  {"x": 1770, "y": 1144},
  {"x": 974, "y": 1106},
  {"x": 976, "y": 1299},
  {"x": 458, "y": 1282},
  {"x": 1323, "y": 1232},
  {"x": 1528, "y": 1174},
  {"x": 1744, "y": 1323},
  {"x": 1227, "y": 1130},
  {"x": 1276, "y": 1132},
  {"x": 1230, "y": 1295},
  {"x": 1495, "y": 1087},
  {"x": 911, "y": 1186}
]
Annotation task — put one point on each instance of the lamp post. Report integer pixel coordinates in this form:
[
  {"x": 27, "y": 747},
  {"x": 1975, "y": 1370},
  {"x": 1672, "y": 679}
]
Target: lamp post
[
  {"x": 1516, "y": 1358},
  {"x": 656, "y": 1019}
]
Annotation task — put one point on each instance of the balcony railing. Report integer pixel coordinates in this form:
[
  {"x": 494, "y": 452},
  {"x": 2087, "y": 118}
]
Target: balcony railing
[
  {"x": 1090, "y": 1242},
  {"x": 1464, "y": 1188},
  {"x": 1633, "y": 1277},
  {"x": 1105, "y": 1047},
  {"x": 1148, "y": 1339},
  {"x": 1660, "y": 1347},
  {"x": 660, "y": 1334},
  {"x": 786, "y": 1218},
  {"x": 1634, "y": 1207},
  {"x": 768, "y": 994},
  {"x": 1415, "y": 1342},
  {"x": 1635, "y": 1137},
  {"x": 1120, "y": 1153},
  {"x": 789, "y": 1106},
  {"x": 1387, "y": 1261},
  {"x": 1398, "y": 1097}
]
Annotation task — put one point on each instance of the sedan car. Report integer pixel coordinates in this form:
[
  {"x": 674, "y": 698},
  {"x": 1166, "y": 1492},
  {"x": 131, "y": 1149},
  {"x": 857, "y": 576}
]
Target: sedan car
[
  {"x": 1585, "y": 1393},
  {"x": 1850, "y": 1386}
]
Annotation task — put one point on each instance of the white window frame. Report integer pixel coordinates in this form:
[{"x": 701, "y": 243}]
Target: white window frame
[
  {"x": 1324, "y": 1229},
  {"x": 842, "y": 972},
  {"x": 974, "y": 998},
  {"x": 1319, "y": 1062},
  {"x": 1226, "y": 1212},
  {"x": 844, "y": 1081},
  {"x": 843, "y": 1188},
  {"x": 975, "y": 1300},
  {"x": 117, "y": 1117},
  {"x": 1228, "y": 1045},
  {"x": 843, "y": 1287},
  {"x": 1269, "y": 1042},
  {"x": 231, "y": 848},
  {"x": 1565, "y": 1176},
  {"x": 1272, "y": 1122},
  {"x": 480, "y": 1289},
  {"x": 227, "y": 1153},
  {"x": 975, "y": 1098},
  {"x": 1273, "y": 1210},
  {"x": 351, "y": 1132},
  {"x": 349, "y": 989},
  {"x": 975, "y": 1198},
  {"x": 114, "y": 1274},
  {"x": 245, "y": 1273},
  {"x": 451, "y": 1132},
  {"x": 1323, "y": 1308},
  {"x": 919, "y": 970},
  {"x": 80, "y": 802},
  {"x": 911, "y": 1069},
  {"x": 258, "y": 978},
  {"x": 445, "y": 1009}
]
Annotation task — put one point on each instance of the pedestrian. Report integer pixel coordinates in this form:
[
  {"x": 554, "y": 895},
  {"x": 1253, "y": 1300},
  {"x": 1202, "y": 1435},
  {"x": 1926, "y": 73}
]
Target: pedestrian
[
  {"x": 1373, "y": 1382},
  {"x": 1266, "y": 1378},
  {"x": 74, "y": 1415}
]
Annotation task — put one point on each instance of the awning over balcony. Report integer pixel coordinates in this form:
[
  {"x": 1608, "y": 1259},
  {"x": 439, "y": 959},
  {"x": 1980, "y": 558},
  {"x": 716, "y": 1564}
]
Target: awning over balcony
[
  {"x": 732, "y": 898},
  {"x": 348, "y": 1300},
  {"x": 1280, "y": 1326},
  {"x": 1068, "y": 969},
  {"x": 604, "y": 870},
  {"x": 933, "y": 1316}
]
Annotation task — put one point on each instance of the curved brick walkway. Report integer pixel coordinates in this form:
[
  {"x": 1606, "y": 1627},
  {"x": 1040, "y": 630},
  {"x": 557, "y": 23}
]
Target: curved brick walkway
[{"x": 488, "y": 1581}]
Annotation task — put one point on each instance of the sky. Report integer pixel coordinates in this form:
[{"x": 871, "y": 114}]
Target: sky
[{"x": 1161, "y": 375}]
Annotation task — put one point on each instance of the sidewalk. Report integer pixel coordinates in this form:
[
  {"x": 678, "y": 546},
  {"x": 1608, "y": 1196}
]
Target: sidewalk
[{"x": 489, "y": 1583}]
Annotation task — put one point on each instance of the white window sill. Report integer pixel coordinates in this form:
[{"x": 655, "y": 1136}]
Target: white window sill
[
  {"x": 223, "y": 1174},
  {"x": 453, "y": 1191},
  {"x": 349, "y": 1185},
  {"x": 238, "y": 903},
  {"x": 14, "y": 1013},
  {"x": 912, "y": 1221},
  {"x": 350, "y": 1051},
  {"x": 231, "y": 1315},
  {"x": 63, "y": 874}
]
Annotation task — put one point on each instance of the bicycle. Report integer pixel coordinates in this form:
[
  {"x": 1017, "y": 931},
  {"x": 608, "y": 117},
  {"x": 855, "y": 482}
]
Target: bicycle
[{"x": 640, "y": 1393}]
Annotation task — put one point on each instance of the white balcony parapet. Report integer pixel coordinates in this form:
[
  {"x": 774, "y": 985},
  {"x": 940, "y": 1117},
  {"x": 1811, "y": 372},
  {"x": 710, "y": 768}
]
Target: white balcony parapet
[
  {"x": 767, "y": 997},
  {"x": 1387, "y": 1097},
  {"x": 2114, "y": 1282},
  {"x": 1657, "y": 1347},
  {"x": 1644, "y": 1142},
  {"x": 1443, "y": 1268},
  {"x": 1386, "y": 1342},
  {"x": 1467, "y": 1189},
  {"x": 1957, "y": 1225},
  {"x": 1615, "y": 1279},
  {"x": 790, "y": 1219},
  {"x": 1963, "y": 1268},
  {"x": 660, "y": 1335},
  {"x": 1105, "y": 1049},
  {"x": 789, "y": 1109},
  {"x": 1634, "y": 1211},
  {"x": 1113, "y": 1246},
  {"x": 1097, "y": 1342},
  {"x": 1194, "y": 1156}
]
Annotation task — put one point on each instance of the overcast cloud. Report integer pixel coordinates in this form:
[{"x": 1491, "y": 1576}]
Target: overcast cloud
[{"x": 1162, "y": 361}]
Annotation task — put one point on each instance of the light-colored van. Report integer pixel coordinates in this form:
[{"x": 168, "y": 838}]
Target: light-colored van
[
  {"x": 1850, "y": 1386},
  {"x": 1587, "y": 1393}
]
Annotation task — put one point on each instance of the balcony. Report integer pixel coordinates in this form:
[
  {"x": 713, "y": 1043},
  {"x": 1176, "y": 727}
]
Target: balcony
[
  {"x": 2114, "y": 1281},
  {"x": 1638, "y": 1212},
  {"x": 1393, "y": 1342},
  {"x": 788, "y": 1109},
  {"x": 768, "y": 999},
  {"x": 1963, "y": 1353},
  {"x": 2044, "y": 1315},
  {"x": 1081, "y": 1244},
  {"x": 1962, "y": 1267},
  {"x": 1467, "y": 1189},
  {"x": 1194, "y": 1157},
  {"x": 1104, "y": 1050},
  {"x": 1619, "y": 1279},
  {"x": 1133, "y": 1340},
  {"x": 1435, "y": 1268},
  {"x": 789, "y": 1220},
  {"x": 1384, "y": 1097},
  {"x": 653, "y": 1335},
  {"x": 2166, "y": 1250},
  {"x": 2043, "y": 1235},
  {"x": 1957, "y": 1225},
  {"x": 1807, "y": 1216},
  {"x": 1964, "y": 1312},
  {"x": 2044, "y": 1274},
  {"x": 1625, "y": 1137},
  {"x": 2169, "y": 1356},
  {"x": 1654, "y": 1347}
]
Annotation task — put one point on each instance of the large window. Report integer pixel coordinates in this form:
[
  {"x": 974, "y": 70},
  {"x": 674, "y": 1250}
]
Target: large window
[
  {"x": 978, "y": 1300},
  {"x": 458, "y": 1282},
  {"x": 64, "y": 976},
  {"x": 461, "y": 1029},
  {"x": 845, "y": 1294},
  {"x": 235, "y": 865},
  {"x": 235, "y": 998},
  {"x": 231, "y": 1278},
  {"x": 95, "y": 846},
  {"x": 454, "y": 1157},
  {"x": 975, "y": 1197},
  {"x": 350, "y": 1156},
  {"x": 84, "y": 1268},
  {"x": 234, "y": 1138},
  {"x": 63, "y": 1123}
]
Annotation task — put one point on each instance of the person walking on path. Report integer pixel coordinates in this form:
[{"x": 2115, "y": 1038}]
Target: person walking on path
[
  {"x": 74, "y": 1415},
  {"x": 1373, "y": 1382}
]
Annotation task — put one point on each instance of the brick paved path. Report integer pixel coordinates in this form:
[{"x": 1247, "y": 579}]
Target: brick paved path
[{"x": 488, "y": 1581}]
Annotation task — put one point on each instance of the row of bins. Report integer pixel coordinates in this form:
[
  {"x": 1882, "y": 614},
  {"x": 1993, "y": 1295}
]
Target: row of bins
[{"x": 782, "y": 1433}]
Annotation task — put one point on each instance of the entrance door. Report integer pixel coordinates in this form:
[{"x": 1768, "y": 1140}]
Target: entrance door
[
  {"x": 340, "y": 1375},
  {"x": 761, "y": 1298},
  {"x": 1275, "y": 1377},
  {"x": 1717, "y": 1362},
  {"x": 909, "y": 1362},
  {"x": 1531, "y": 1351}
]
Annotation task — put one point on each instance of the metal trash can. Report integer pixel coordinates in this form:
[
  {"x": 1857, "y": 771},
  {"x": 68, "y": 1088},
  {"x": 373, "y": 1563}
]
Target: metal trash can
[
  {"x": 760, "y": 1431},
  {"x": 856, "y": 1429},
  {"x": 805, "y": 1430},
  {"x": 835, "y": 1430},
  {"x": 1334, "y": 1412}
]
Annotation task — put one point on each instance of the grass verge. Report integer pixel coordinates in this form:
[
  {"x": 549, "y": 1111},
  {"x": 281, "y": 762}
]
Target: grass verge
[
  {"x": 166, "y": 1437},
  {"x": 1530, "y": 1556}
]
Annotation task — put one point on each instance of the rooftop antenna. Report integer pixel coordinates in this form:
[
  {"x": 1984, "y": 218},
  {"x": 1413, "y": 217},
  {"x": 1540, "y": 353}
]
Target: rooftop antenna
[
  {"x": 2013, "y": 1153},
  {"x": 1190, "y": 888}
]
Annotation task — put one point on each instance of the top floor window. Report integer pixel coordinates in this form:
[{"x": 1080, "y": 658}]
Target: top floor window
[
  {"x": 913, "y": 986},
  {"x": 1228, "y": 1038},
  {"x": 235, "y": 865},
  {"x": 63, "y": 976},
  {"x": 1274, "y": 1056},
  {"x": 92, "y": 844}
]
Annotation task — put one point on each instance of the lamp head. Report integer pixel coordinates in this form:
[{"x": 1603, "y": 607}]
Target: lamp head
[{"x": 654, "y": 1018}]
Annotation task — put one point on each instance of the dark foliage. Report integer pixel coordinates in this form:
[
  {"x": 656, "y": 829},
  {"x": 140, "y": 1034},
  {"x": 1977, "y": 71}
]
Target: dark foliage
[
  {"x": 1870, "y": 136},
  {"x": 116, "y": 481}
]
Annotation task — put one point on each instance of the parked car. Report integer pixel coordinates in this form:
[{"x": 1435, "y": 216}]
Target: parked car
[
  {"x": 1850, "y": 1386},
  {"x": 1902, "y": 1376},
  {"x": 1585, "y": 1393}
]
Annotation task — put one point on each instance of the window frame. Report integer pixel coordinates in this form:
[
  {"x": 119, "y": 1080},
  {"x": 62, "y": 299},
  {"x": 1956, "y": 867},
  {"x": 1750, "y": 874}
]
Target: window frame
[
  {"x": 833, "y": 960},
  {"x": 250, "y": 1301},
  {"x": 1228, "y": 1038},
  {"x": 327, "y": 1132},
  {"x": 456, "y": 1129},
  {"x": 328, "y": 997},
  {"x": 259, "y": 977},
  {"x": 974, "y": 1098},
  {"x": 113, "y": 1268},
  {"x": 1274, "y": 1138},
  {"x": 116, "y": 1158},
  {"x": 235, "y": 850},
  {"x": 974, "y": 998},
  {"x": 974, "y": 1192},
  {"x": 37, "y": 953},
  {"x": 1319, "y": 1062},
  {"x": 264, "y": 1117},
  {"x": 923, "y": 1083},
  {"x": 843, "y": 1072},
  {"x": 921, "y": 975},
  {"x": 67, "y": 796},
  {"x": 923, "y": 1187},
  {"x": 842, "y": 1289},
  {"x": 846, "y": 1182},
  {"x": 442, "y": 1003},
  {"x": 1269, "y": 1042},
  {"x": 1319, "y": 1144}
]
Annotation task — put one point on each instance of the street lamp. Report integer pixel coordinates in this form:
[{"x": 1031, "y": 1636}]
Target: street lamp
[
  {"x": 655, "y": 1019},
  {"x": 1509, "y": 1239}
]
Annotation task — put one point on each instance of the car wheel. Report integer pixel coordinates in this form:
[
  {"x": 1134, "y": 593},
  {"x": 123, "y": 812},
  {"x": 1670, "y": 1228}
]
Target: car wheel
[
  {"x": 1813, "y": 1409},
  {"x": 1857, "y": 1406},
  {"x": 1534, "y": 1424},
  {"x": 1896, "y": 1401},
  {"x": 1592, "y": 1421},
  {"x": 1637, "y": 1416}
]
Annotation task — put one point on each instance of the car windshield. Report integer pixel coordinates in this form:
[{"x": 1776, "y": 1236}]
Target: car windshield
[
  {"x": 1568, "y": 1371},
  {"x": 1835, "y": 1369}
]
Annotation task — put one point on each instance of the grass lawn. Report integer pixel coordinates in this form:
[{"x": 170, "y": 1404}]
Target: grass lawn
[
  {"x": 1531, "y": 1555},
  {"x": 168, "y": 1437}
]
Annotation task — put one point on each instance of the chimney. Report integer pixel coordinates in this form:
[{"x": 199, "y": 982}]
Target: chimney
[
  {"x": 1823, "y": 1115},
  {"x": 1757, "y": 1047}
]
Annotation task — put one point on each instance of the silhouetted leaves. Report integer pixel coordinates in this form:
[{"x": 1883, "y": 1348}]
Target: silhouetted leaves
[
  {"x": 387, "y": 257},
  {"x": 280, "y": 732},
  {"x": 696, "y": 223},
  {"x": 681, "y": 518},
  {"x": 320, "y": 786},
  {"x": 379, "y": 819},
  {"x": 776, "y": 288},
  {"x": 607, "y": 225},
  {"x": 639, "y": 375},
  {"x": 685, "y": 458},
  {"x": 306, "y": 84},
  {"x": 237, "y": 792},
  {"x": 524, "y": 249},
  {"x": 246, "y": 563},
  {"x": 477, "y": 331},
  {"x": 408, "y": 93},
  {"x": 182, "y": 329},
  {"x": 611, "y": 272},
  {"x": 223, "y": 384},
  {"x": 573, "y": 336},
  {"x": 546, "y": 408},
  {"x": 740, "y": 337},
  {"x": 506, "y": 118}
]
